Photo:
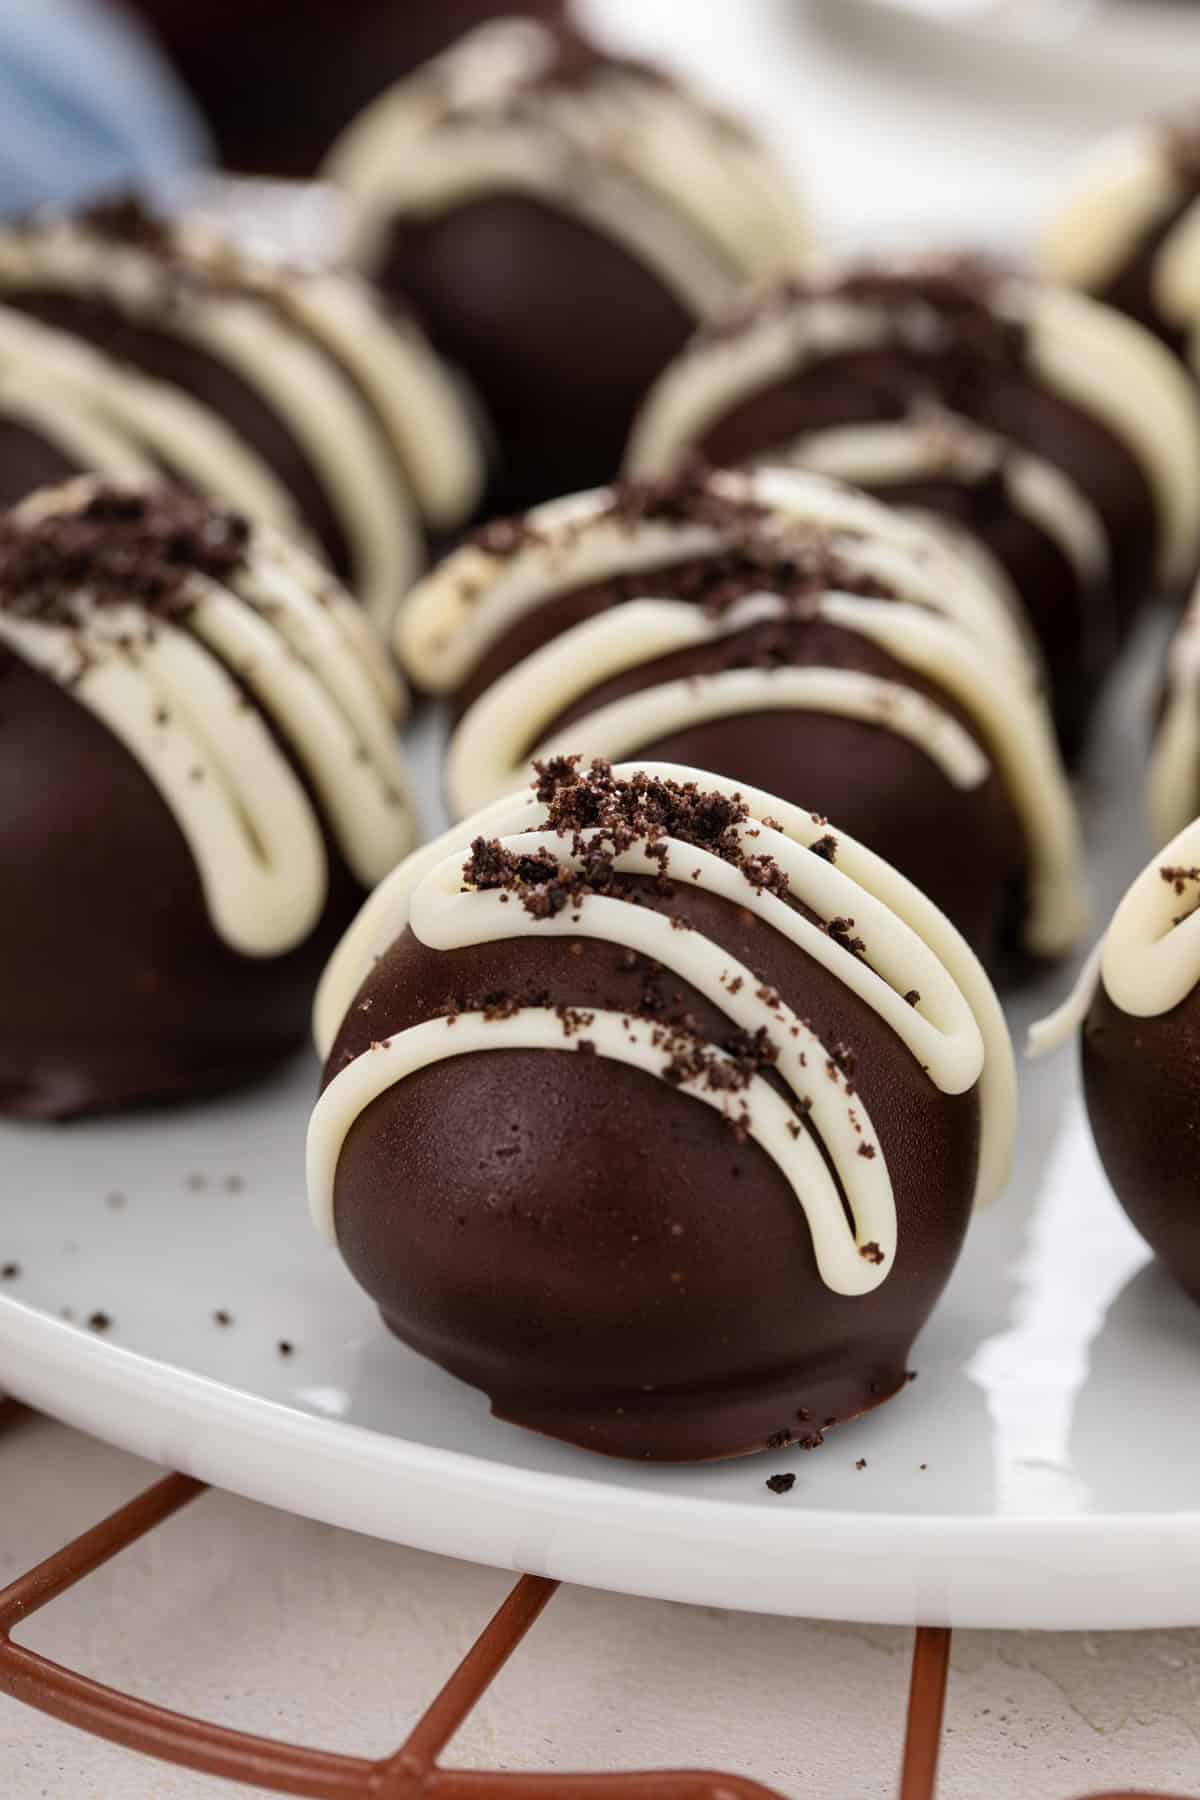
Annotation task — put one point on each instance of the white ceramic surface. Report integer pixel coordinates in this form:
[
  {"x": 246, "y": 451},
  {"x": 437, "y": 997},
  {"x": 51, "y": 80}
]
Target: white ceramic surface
[{"x": 1042, "y": 1471}]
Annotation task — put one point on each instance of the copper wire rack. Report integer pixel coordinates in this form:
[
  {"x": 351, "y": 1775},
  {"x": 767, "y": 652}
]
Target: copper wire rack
[{"x": 414, "y": 1771}]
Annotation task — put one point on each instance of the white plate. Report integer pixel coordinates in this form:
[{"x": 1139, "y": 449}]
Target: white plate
[{"x": 1044, "y": 1469}]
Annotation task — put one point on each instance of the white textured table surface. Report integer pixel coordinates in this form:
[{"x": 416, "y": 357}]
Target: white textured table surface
[{"x": 295, "y": 1630}]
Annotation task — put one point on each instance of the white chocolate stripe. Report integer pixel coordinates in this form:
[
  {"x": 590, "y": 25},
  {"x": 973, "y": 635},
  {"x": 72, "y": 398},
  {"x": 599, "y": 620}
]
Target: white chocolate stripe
[
  {"x": 622, "y": 727},
  {"x": 942, "y": 1035},
  {"x": 502, "y": 731},
  {"x": 661, "y": 172},
  {"x": 349, "y": 778},
  {"x": 256, "y": 843},
  {"x": 469, "y": 163},
  {"x": 1112, "y": 368},
  {"x": 321, "y": 621},
  {"x": 1109, "y": 367},
  {"x": 840, "y": 1258},
  {"x": 911, "y": 943},
  {"x": 184, "y": 437},
  {"x": 890, "y": 454},
  {"x": 1149, "y": 958},
  {"x": 1119, "y": 195},
  {"x": 340, "y": 439},
  {"x": 48, "y": 409},
  {"x": 171, "y": 694},
  {"x": 470, "y": 600}
]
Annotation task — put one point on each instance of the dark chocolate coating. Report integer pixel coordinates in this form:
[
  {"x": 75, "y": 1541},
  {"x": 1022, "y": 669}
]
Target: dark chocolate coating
[
  {"x": 278, "y": 80},
  {"x": 964, "y": 847},
  {"x": 1142, "y": 1085},
  {"x": 115, "y": 989},
  {"x": 1079, "y": 633},
  {"x": 595, "y": 1249},
  {"x": 29, "y": 461},
  {"x": 560, "y": 330},
  {"x": 161, "y": 354}
]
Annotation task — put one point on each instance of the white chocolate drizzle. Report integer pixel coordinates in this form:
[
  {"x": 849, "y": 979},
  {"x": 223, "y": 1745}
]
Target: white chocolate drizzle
[
  {"x": 944, "y": 624},
  {"x": 471, "y": 599},
  {"x": 180, "y": 434},
  {"x": 955, "y": 1030},
  {"x": 1148, "y": 961},
  {"x": 282, "y": 631},
  {"x": 678, "y": 185},
  {"x": 1091, "y": 356},
  {"x": 381, "y": 425},
  {"x": 32, "y": 397}
]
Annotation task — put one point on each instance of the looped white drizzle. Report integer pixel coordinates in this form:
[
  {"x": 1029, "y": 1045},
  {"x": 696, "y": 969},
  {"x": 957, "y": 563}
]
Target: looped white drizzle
[
  {"x": 175, "y": 693},
  {"x": 954, "y": 1031},
  {"x": 1149, "y": 958}
]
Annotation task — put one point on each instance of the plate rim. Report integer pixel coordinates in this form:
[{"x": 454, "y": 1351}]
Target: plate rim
[{"x": 932, "y": 1569}]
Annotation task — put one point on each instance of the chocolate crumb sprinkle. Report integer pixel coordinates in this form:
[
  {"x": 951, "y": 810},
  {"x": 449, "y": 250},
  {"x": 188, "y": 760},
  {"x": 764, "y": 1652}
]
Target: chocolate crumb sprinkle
[{"x": 781, "y": 1484}]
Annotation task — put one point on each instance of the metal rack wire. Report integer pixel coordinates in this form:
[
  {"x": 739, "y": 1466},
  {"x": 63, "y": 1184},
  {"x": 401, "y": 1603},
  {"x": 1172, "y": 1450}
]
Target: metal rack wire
[{"x": 414, "y": 1771}]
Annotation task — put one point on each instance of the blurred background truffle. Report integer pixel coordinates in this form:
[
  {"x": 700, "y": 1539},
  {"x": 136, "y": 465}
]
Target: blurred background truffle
[{"x": 560, "y": 221}]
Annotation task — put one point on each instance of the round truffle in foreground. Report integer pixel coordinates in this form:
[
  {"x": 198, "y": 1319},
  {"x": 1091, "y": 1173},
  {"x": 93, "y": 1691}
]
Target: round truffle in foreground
[
  {"x": 199, "y": 783},
  {"x": 657, "y": 1111}
]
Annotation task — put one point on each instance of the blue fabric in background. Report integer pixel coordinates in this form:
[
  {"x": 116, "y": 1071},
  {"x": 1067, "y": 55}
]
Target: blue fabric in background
[{"x": 86, "y": 106}]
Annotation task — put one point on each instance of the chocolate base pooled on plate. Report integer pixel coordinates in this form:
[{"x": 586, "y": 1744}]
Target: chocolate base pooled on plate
[
  {"x": 657, "y": 1110},
  {"x": 294, "y": 393},
  {"x": 1136, "y": 1009},
  {"x": 560, "y": 220},
  {"x": 781, "y": 630},
  {"x": 199, "y": 782},
  {"x": 1056, "y": 441}
]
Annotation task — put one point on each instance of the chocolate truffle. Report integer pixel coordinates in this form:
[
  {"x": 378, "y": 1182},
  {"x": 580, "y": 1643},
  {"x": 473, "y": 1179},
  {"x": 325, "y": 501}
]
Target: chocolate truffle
[
  {"x": 199, "y": 781},
  {"x": 1138, "y": 1008},
  {"x": 785, "y": 632},
  {"x": 660, "y": 1115},
  {"x": 276, "y": 81},
  {"x": 295, "y": 394},
  {"x": 1052, "y": 436},
  {"x": 1127, "y": 227},
  {"x": 560, "y": 221}
]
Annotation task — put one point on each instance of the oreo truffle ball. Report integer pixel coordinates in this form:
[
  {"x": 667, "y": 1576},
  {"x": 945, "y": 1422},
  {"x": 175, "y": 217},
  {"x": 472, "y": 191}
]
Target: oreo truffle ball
[
  {"x": 295, "y": 394},
  {"x": 657, "y": 1110},
  {"x": 1126, "y": 227},
  {"x": 782, "y": 631},
  {"x": 1055, "y": 440},
  {"x": 1138, "y": 1007},
  {"x": 278, "y": 80},
  {"x": 199, "y": 782},
  {"x": 560, "y": 221}
]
